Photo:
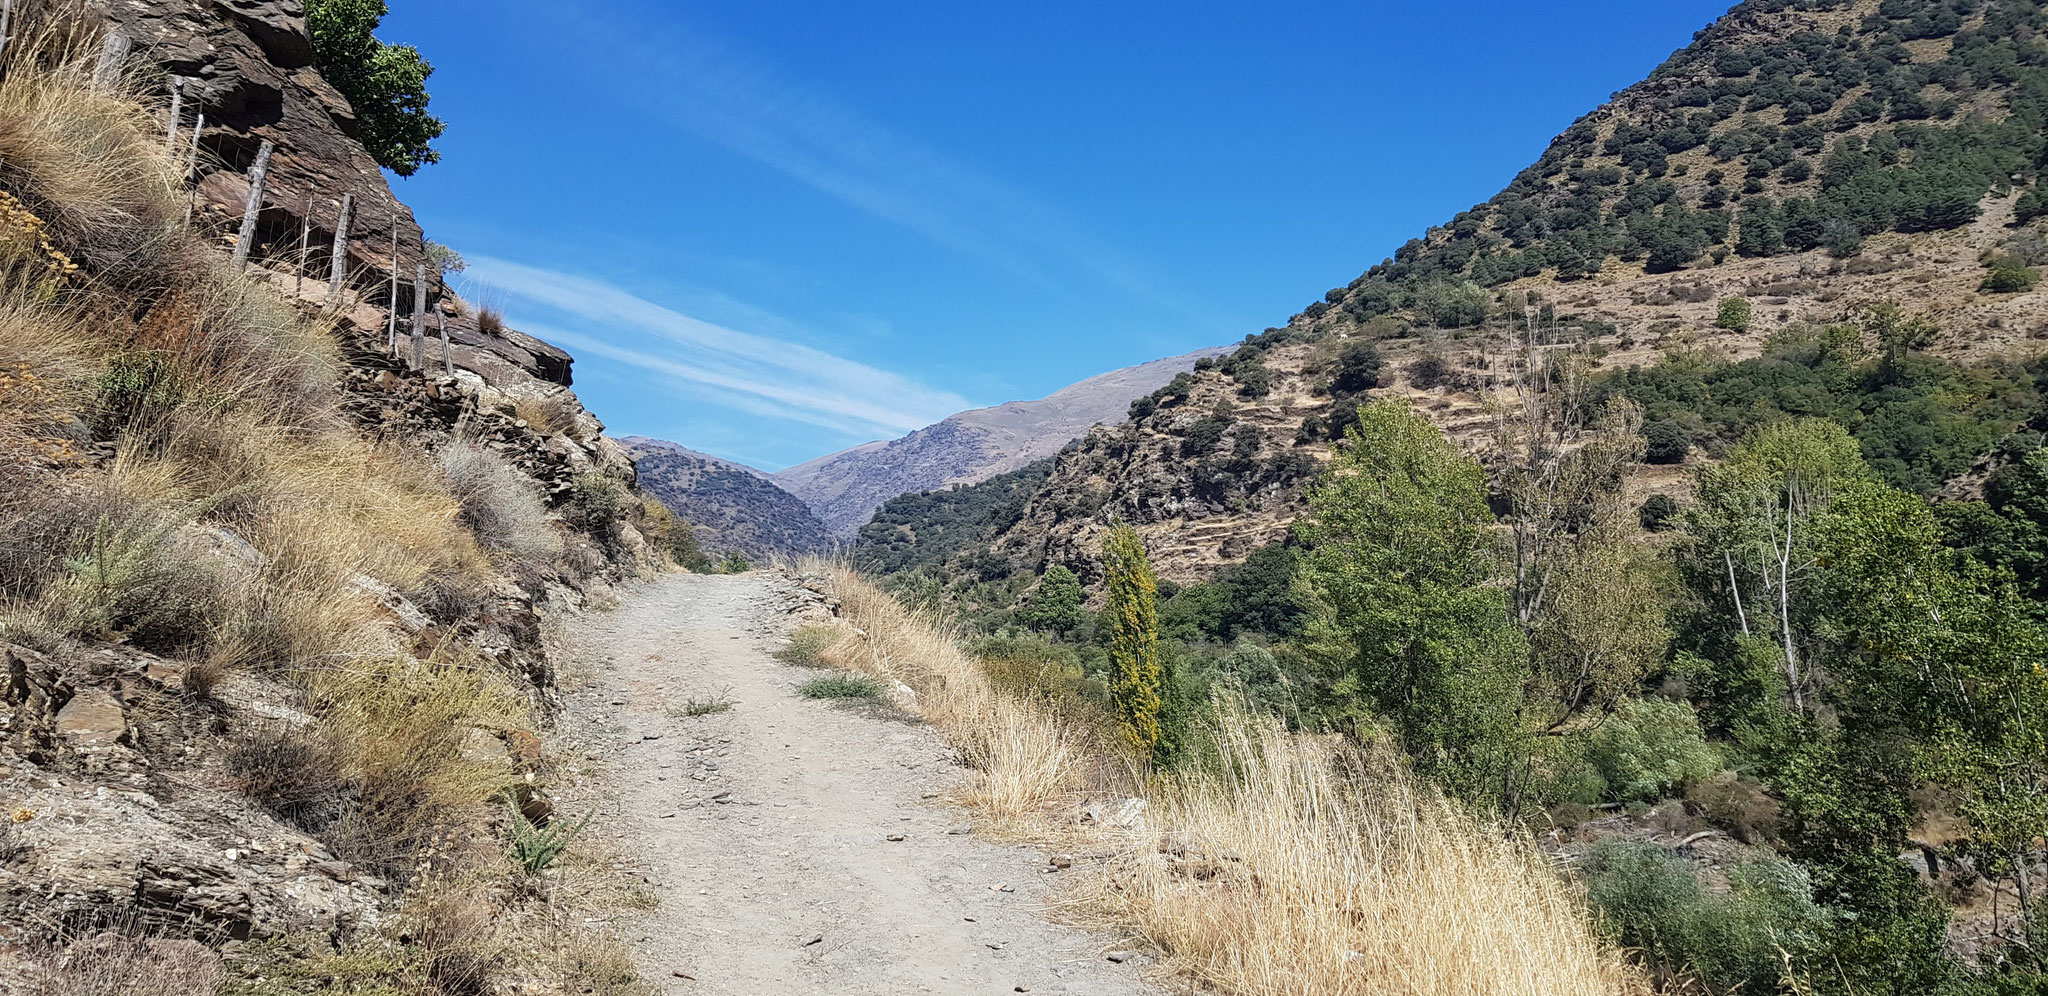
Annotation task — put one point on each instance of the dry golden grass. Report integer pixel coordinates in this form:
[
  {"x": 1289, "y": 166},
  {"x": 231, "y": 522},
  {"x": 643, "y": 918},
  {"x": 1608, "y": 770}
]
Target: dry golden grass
[
  {"x": 1291, "y": 866},
  {"x": 1026, "y": 760},
  {"x": 87, "y": 161}
]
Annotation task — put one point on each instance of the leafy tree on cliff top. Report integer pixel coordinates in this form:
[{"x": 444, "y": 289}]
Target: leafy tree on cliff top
[{"x": 385, "y": 84}]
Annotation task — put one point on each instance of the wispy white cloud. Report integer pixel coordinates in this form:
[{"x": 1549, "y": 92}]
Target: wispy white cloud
[
  {"x": 756, "y": 374},
  {"x": 721, "y": 94}
]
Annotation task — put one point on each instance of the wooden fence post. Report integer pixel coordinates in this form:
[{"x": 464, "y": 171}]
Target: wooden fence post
[
  {"x": 113, "y": 56},
  {"x": 192, "y": 167},
  {"x": 6, "y": 23},
  {"x": 419, "y": 317},
  {"x": 177, "y": 113},
  {"x": 340, "y": 270},
  {"x": 447, "y": 351},
  {"x": 257, "y": 175},
  {"x": 305, "y": 246},
  {"x": 391, "y": 330}
]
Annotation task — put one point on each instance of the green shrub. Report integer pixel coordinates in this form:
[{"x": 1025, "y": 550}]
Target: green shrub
[
  {"x": 1658, "y": 512},
  {"x": 735, "y": 563},
  {"x": 807, "y": 646},
  {"x": 1734, "y": 314},
  {"x": 1650, "y": 748},
  {"x": 2009, "y": 275},
  {"x": 535, "y": 847},
  {"x": 1741, "y": 940},
  {"x": 842, "y": 686},
  {"x": 596, "y": 501},
  {"x": 1667, "y": 442}
]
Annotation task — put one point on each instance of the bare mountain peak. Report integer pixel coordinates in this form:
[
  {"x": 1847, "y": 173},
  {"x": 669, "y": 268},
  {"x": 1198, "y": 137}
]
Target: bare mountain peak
[{"x": 845, "y": 488}]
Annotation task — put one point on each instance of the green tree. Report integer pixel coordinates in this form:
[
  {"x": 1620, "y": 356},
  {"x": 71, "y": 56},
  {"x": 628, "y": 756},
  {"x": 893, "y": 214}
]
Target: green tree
[
  {"x": 1056, "y": 605},
  {"x": 1406, "y": 627},
  {"x": 1753, "y": 524},
  {"x": 386, "y": 85},
  {"x": 1133, "y": 617}
]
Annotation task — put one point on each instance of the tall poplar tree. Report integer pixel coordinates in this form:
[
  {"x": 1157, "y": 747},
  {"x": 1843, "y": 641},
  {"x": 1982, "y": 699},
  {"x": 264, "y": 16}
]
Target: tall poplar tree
[{"x": 1133, "y": 614}]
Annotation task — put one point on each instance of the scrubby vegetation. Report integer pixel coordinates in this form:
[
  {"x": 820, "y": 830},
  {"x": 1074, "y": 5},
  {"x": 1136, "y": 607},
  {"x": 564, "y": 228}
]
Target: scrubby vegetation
[
  {"x": 1809, "y": 139},
  {"x": 925, "y": 530}
]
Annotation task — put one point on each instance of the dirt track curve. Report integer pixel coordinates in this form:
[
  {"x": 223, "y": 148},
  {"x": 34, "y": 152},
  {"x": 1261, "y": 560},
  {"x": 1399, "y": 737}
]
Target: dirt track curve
[{"x": 766, "y": 830}]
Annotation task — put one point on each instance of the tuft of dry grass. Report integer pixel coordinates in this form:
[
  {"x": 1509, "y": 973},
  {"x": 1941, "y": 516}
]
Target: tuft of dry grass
[
  {"x": 548, "y": 415},
  {"x": 114, "y": 964},
  {"x": 1289, "y": 866},
  {"x": 1025, "y": 758},
  {"x": 500, "y": 505},
  {"x": 86, "y": 160}
]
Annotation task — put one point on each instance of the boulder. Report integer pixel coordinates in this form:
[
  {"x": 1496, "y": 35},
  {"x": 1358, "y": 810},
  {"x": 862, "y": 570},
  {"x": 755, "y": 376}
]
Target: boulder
[{"x": 93, "y": 718}]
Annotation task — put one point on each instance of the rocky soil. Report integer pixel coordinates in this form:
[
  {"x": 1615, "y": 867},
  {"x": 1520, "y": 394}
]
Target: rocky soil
[{"x": 797, "y": 846}]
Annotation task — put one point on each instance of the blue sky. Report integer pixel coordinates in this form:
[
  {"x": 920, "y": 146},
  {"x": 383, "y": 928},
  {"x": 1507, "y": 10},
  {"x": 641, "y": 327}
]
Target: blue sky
[{"x": 771, "y": 230}]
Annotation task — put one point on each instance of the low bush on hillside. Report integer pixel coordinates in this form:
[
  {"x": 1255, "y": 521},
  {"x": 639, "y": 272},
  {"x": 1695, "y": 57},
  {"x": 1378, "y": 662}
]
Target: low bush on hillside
[
  {"x": 1735, "y": 940},
  {"x": 500, "y": 505},
  {"x": 842, "y": 686},
  {"x": 808, "y": 645}
]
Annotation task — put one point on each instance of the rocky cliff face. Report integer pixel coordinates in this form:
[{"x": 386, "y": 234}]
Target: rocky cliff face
[
  {"x": 845, "y": 488},
  {"x": 248, "y": 67},
  {"x": 734, "y": 508}
]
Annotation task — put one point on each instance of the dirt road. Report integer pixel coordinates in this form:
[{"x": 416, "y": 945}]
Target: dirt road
[{"x": 771, "y": 831}]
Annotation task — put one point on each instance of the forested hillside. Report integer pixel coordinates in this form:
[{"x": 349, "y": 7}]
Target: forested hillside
[{"x": 732, "y": 509}]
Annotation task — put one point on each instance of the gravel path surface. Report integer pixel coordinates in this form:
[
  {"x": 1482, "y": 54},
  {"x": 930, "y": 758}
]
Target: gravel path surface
[{"x": 770, "y": 831}]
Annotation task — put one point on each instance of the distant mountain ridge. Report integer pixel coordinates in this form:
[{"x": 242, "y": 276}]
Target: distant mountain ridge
[
  {"x": 733, "y": 507},
  {"x": 844, "y": 489}
]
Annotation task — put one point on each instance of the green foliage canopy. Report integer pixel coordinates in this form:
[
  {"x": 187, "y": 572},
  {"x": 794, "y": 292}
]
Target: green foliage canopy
[{"x": 385, "y": 84}]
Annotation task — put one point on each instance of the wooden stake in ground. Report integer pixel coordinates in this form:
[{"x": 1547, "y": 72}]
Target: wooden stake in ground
[
  {"x": 113, "y": 55},
  {"x": 340, "y": 270},
  {"x": 257, "y": 175},
  {"x": 391, "y": 330},
  {"x": 177, "y": 111},
  {"x": 6, "y": 22},
  {"x": 192, "y": 167},
  {"x": 305, "y": 238},
  {"x": 419, "y": 317},
  {"x": 447, "y": 351}
]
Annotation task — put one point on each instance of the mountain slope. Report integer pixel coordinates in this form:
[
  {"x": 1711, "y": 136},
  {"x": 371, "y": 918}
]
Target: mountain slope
[
  {"x": 845, "y": 488},
  {"x": 1811, "y": 158},
  {"x": 733, "y": 507}
]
